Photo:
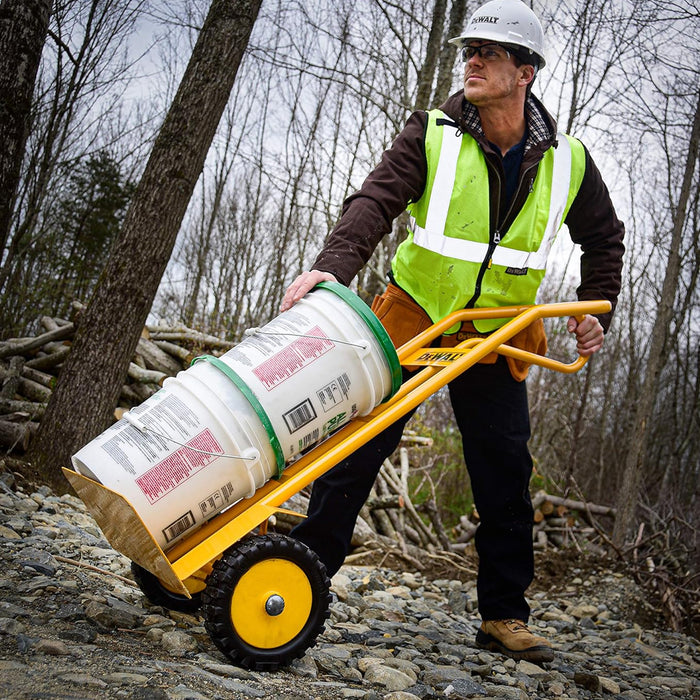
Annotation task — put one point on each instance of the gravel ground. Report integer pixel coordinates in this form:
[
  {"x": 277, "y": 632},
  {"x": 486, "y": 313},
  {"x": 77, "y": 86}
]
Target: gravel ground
[{"x": 73, "y": 625}]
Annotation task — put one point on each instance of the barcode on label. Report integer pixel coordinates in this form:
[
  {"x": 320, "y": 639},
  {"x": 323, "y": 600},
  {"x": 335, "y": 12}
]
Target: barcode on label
[
  {"x": 344, "y": 382},
  {"x": 299, "y": 416},
  {"x": 179, "y": 526}
]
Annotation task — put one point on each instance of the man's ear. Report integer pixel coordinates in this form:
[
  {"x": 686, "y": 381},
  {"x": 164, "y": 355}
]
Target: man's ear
[{"x": 528, "y": 74}]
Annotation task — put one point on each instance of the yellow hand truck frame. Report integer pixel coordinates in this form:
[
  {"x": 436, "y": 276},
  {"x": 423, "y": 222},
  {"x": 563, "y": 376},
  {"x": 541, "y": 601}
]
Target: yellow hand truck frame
[{"x": 265, "y": 599}]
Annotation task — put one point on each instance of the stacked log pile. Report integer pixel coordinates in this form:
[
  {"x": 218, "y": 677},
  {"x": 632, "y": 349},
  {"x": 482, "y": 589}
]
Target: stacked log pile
[
  {"x": 29, "y": 369},
  {"x": 566, "y": 522}
]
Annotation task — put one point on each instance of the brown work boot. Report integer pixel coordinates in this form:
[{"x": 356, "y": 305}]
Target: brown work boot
[{"x": 513, "y": 638}]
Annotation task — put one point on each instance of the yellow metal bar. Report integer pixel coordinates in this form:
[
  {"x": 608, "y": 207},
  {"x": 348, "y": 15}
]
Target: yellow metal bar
[
  {"x": 222, "y": 532},
  {"x": 221, "y": 539},
  {"x": 542, "y": 361},
  {"x": 441, "y": 357},
  {"x": 573, "y": 308}
]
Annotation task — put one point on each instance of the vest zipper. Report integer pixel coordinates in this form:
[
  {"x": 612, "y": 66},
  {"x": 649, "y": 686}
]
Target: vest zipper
[{"x": 496, "y": 236}]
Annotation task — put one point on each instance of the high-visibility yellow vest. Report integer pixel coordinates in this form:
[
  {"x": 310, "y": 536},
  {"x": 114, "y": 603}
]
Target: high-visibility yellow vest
[{"x": 451, "y": 253}]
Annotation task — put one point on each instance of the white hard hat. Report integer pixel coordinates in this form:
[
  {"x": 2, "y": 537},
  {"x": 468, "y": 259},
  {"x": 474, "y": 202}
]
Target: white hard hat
[{"x": 509, "y": 22}]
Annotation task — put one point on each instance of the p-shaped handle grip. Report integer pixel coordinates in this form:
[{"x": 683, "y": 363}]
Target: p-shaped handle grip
[{"x": 542, "y": 360}]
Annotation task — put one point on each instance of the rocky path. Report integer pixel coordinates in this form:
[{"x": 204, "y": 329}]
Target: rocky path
[{"x": 72, "y": 626}]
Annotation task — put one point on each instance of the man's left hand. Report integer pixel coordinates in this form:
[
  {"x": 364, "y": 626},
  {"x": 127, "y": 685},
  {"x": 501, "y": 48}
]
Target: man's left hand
[{"x": 589, "y": 334}]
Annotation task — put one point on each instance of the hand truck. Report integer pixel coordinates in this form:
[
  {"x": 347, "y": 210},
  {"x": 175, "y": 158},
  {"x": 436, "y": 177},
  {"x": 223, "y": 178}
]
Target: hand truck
[{"x": 265, "y": 597}]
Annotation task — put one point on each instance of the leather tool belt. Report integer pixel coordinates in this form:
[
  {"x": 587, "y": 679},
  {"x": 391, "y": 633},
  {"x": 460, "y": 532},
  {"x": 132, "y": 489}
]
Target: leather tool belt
[{"x": 404, "y": 319}]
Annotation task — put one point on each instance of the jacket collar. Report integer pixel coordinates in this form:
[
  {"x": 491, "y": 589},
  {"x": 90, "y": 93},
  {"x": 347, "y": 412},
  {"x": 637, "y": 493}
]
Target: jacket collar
[{"x": 542, "y": 128}]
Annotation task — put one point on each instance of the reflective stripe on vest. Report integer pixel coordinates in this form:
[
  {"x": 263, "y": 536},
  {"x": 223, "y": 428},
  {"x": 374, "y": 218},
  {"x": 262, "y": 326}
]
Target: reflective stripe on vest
[{"x": 433, "y": 237}]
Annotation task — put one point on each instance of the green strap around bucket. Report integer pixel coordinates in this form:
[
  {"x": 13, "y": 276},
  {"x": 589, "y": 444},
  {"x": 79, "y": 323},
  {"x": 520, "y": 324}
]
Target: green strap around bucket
[{"x": 253, "y": 400}]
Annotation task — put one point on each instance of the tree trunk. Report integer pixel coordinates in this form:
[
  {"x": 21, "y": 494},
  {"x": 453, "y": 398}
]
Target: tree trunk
[
  {"x": 109, "y": 330},
  {"x": 23, "y": 28},
  {"x": 432, "y": 52},
  {"x": 446, "y": 63},
  {"x": 579, "y": 426},
  {"x": 635, "y": 458}
]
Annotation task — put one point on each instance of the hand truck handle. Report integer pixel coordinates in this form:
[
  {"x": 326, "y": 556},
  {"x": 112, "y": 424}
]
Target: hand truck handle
[{"x": 522, "y": 316}]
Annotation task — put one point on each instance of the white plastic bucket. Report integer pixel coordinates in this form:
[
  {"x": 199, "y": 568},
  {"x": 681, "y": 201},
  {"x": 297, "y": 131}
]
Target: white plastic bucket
[{"x": 239, "y": 419}]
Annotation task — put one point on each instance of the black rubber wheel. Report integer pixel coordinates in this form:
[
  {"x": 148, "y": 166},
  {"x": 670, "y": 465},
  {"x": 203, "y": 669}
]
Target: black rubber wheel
[
  {"x": 158, "y": 594},
  {"x": 266, "y": 601}
]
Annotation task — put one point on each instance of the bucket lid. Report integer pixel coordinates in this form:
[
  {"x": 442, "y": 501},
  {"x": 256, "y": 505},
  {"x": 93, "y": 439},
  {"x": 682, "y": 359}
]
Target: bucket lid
[{"x": 375, "y": 325}]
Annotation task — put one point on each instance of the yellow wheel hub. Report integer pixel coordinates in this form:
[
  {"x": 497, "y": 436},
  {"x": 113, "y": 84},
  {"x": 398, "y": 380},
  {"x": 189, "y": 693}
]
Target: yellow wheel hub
[{"x": 271, "y": 603}]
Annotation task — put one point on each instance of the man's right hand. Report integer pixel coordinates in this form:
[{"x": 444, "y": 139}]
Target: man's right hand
[{"x": 302, "y": 285}]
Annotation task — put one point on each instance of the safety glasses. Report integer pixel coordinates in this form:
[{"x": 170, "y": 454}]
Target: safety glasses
[{"x": 491, "y": 52}]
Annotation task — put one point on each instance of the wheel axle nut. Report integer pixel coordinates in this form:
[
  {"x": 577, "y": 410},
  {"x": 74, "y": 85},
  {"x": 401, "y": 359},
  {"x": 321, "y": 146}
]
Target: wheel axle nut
[{"x": 274, "y": 605}]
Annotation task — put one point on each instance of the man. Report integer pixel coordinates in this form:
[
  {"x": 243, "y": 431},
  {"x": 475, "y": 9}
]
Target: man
[{"x": 488, "y": 182}]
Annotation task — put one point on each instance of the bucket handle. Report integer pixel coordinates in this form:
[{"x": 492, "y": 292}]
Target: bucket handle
[
  {"x": 250, "y": 454},
  {"x": 362, "y": 344}
]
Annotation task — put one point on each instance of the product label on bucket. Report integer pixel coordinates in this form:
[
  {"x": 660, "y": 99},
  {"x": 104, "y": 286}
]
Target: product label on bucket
[
  {"x": 299, "y": 416},
  {"x": 334, "y": 393},
  {"x": 179, "y": 466},
  {"x": 214, "y": 502},
  {"x": 263, "y": 343},
  {"x": 169, "y": 417},
  {"x": 292, "y": 359}
]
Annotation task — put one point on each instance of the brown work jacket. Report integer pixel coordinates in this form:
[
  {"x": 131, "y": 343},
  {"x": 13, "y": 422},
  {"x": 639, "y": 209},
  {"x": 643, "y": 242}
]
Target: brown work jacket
[{"x": 400, "y": 178}]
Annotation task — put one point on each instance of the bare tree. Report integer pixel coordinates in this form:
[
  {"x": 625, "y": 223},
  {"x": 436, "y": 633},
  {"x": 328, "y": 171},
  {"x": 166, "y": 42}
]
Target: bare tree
[
  {"x": 23, "y": 28},
  {"x": 329, "y": 97},
  {"x": 91, "y": 380},
  {"x": 446, "y": 62},
  {"x": 634, "y": 463},
  {"x": 75, "y": 113},
  {"x": 426, "y": 74},
  {"x": 587, "y": 76}
]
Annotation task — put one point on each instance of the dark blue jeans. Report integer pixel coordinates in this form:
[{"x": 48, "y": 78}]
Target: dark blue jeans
[{"x": 492, "y": 415}]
